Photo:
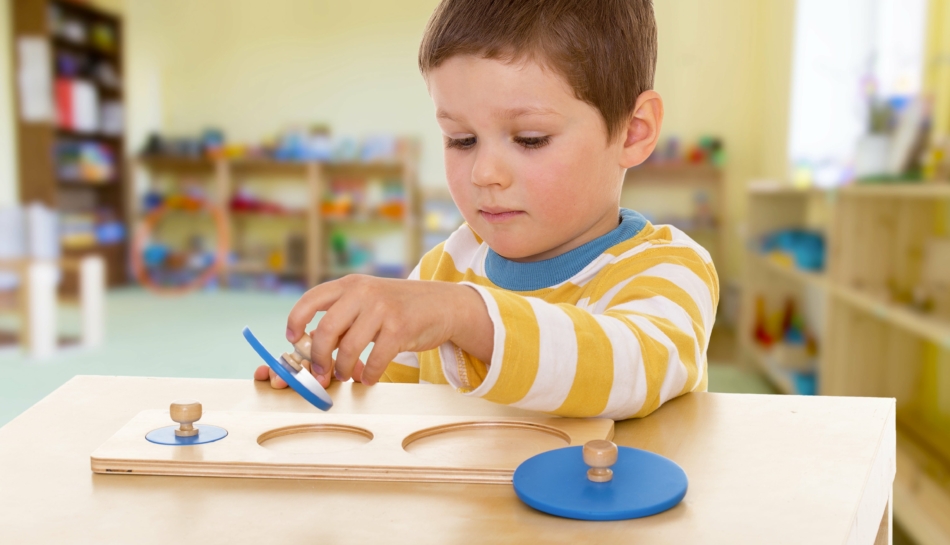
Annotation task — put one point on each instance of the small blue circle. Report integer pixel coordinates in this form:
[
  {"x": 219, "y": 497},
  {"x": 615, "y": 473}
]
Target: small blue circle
[
  {"x": 206, "y": 434},
  {"x": 643, "y": 484}
]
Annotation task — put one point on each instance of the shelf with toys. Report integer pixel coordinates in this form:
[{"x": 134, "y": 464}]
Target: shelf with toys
[
  {"x": 869, "y": 264},
  {"x": 301, "y": 209},
  {"x": 70, "y": 125},
  {"x": 683, "y": 188}
]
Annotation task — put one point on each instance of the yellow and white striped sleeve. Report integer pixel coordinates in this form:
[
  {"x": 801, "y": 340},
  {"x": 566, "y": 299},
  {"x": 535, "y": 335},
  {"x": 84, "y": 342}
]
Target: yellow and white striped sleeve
[
  {"x": 637, "y": 341},
  {"x": 405, "y": 366}
]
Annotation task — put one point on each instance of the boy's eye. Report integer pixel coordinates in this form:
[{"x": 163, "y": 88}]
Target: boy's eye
[
  {"x": 460, "y": 143},
  {"x": 532, "y": 142}
]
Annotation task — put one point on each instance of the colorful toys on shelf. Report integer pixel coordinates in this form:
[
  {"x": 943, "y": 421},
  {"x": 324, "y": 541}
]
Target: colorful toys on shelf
[
  {"x": 293, "y": 145},
  {"x": 373, "y": 199},
  {"x": 82, "y": 230},
  {"x": 348, "y": 256},
  {"x": 790, "y": 347},
  {"x": 244, "y": 200},
  {"x": 761, "y": 332},
  {"x": 796, "y": 247},
  {"x": 84, "y": 162},
  {"x": 706, "y": 150}
]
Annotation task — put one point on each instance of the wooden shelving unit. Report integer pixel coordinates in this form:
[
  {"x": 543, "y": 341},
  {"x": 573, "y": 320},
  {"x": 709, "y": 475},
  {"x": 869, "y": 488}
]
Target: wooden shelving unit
[
  {"x": 682, "y": 177},
  {"x": 870, "y": 345},
  {"x": 37, "y": 139},
  {"x": 222, "y": 177}
]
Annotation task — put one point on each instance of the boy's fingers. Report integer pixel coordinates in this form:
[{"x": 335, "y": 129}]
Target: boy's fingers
[
  {"x": 276, "y": 382},
  {"x": 264, "y": 372},
  {"x": 358, "y": 371},
  {"x": 324, "y": 380},
  {"x": 332, "y": 327},
  {"x": 316, "y": 299},
  {"x": 352, "y": 344},
  {"x": 384, "y": 352}
]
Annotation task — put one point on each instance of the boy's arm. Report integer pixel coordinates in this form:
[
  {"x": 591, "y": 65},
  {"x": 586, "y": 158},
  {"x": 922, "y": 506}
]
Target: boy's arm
[
  {"x": 405, "y": 366},
  {"x": 638, "y": 341}
]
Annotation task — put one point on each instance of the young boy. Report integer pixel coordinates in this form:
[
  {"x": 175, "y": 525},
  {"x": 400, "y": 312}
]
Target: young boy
[{"x": 551, "y": 297}]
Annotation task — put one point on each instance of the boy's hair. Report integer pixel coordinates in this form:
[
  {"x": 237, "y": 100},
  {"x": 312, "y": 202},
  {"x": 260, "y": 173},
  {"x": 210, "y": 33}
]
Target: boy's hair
[{"x": 605, "y": 49}]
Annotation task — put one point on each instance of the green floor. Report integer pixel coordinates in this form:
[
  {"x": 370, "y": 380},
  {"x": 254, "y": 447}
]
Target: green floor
[{"x": 198, "y": 335}]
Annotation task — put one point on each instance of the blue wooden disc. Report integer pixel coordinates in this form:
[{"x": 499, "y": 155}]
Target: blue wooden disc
[
  {"x": 643, "y": 484},
  {"x": 206, "y": 434},
  {"x": 301, "y": 381}
]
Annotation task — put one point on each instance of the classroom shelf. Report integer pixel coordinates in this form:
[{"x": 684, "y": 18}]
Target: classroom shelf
[
  {"x": 921, "y": 493},
  {"x": 930, "y": 190},
  {"x": 287, "y": 214},
  {"x": 677, "y": 173},
  {"x": 249, "y": 267},
  {"x": 675, "y": 178},
  {"x": 372, "y": 222},
  {"x": 177, "y": 164},
  {"x": 87, "y": 183},
  {"x": 224, "y": 175},
  {"x": 780, "y": 378},
  {"x": 868, "y": 346},
  {"x": 38, "y": 141},
  {"x": 108, "y": 138},
  {"x": 84, "y": 47},
  {"x": 811, "y": 278},
  {"x": 784, "y": 190},
  {"x": 912, "y": 322},
  {"x": 907, "y": 190}
]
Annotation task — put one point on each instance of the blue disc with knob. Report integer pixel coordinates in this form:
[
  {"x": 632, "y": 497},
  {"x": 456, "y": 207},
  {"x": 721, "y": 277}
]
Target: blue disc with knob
[
  {"x": 301, "y": 381},
  {"x": 643, "y": 484}
]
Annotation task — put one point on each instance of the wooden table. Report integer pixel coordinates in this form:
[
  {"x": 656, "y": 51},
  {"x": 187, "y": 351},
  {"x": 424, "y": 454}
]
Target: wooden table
[{"x": 762, "y": 469}]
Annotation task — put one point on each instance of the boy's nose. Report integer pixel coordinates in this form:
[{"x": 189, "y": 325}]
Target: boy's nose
[{"x": 489, "y": 170}]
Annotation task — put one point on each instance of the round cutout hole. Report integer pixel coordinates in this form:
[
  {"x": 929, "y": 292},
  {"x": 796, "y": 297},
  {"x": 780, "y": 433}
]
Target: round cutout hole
[
  {"x": 314, "y": 438},
  {"x": 502, "y": 445}
]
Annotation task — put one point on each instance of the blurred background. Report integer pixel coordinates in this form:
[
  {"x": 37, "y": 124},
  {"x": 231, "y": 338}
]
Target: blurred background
[{"x": 172, "y": 171}]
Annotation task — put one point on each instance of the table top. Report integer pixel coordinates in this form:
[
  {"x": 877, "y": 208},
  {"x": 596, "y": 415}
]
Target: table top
[{"x": 762, "y": 469}]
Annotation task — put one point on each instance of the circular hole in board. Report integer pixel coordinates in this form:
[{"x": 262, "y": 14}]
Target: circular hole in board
[
  {"x": 501, "y": 445},
  {"x": 314, "y": 438}
]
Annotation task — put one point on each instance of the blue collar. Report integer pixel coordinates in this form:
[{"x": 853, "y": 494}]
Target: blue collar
[{"x": 515, "y": 276}]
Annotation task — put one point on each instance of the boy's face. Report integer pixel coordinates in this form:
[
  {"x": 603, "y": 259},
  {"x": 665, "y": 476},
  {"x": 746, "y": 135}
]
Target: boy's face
[{"x": 528, "y": 164}]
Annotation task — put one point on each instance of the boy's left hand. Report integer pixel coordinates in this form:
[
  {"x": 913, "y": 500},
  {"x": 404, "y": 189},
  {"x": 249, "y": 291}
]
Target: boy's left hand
[{"x": 398, "y": 315}]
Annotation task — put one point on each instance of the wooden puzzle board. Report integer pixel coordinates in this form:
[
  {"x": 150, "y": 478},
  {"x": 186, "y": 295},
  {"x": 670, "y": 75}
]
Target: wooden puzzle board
[{"x": 371, "y": 447}]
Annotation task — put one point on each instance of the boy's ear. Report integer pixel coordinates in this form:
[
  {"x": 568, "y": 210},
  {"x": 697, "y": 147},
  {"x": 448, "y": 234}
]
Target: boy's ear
[{"x": 643, "y": 129}]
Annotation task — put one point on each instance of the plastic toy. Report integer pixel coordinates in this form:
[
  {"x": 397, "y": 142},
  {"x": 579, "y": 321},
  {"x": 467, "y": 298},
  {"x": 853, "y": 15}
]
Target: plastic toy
[{"x": 294, "y": 369}]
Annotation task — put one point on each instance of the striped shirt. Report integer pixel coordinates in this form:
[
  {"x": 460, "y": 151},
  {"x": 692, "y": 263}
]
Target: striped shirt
[{"x": 613, "y": 328}]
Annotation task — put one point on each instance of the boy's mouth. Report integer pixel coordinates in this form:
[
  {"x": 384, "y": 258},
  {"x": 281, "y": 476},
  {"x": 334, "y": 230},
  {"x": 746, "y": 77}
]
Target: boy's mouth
[{"x": 498, "y": 215}]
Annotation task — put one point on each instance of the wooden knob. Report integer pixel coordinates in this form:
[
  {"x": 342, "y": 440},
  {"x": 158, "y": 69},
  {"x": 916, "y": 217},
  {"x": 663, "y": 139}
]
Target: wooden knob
[
  {"x": 186, "y": 412},
  {"x": 600, "y": 455},
  {"x": 300, "y": 357}
]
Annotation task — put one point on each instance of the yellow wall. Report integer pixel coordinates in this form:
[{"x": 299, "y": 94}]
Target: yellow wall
[
  {"x": 253, "y": 68},
  {"x": 724, "y": 68}
]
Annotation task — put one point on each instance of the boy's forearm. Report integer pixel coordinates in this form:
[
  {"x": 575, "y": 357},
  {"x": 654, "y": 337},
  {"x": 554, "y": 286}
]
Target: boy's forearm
[{"x": 473, "y": 330}]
